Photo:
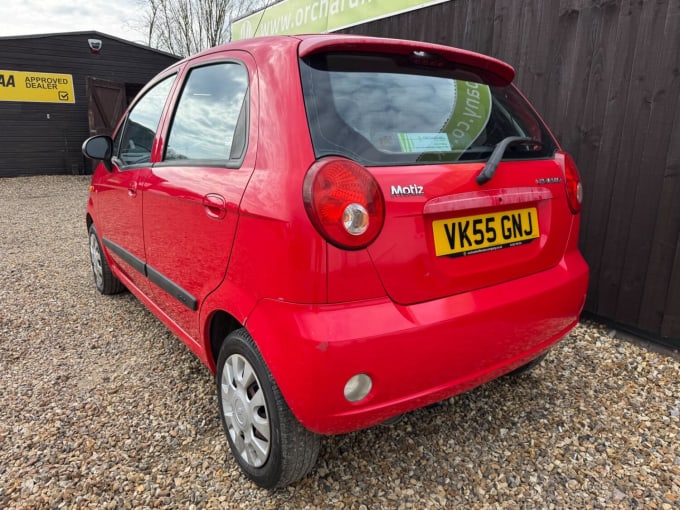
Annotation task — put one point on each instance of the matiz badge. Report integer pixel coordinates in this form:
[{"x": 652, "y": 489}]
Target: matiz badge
[{"x": 407, "y": 191}]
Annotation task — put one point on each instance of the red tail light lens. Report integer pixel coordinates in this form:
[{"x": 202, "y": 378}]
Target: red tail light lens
[
  {"x": 344, "y": 202},
  {"x": 572, "y": 181}
]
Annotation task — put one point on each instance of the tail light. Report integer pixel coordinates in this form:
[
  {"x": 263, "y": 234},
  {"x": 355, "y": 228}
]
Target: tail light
[
  {"x": 344, "y": 202},
  {"x": 572, "y": 181}
]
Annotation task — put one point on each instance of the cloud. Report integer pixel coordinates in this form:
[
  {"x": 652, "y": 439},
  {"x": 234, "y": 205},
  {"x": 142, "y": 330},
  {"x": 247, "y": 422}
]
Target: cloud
[{"x": 30, "y": 17}]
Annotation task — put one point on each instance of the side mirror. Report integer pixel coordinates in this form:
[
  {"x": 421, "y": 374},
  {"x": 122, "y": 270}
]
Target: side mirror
[{"x": 99, "y": 147}]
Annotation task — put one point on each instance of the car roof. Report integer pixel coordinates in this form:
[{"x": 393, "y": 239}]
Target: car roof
[{"x": 493, "y": 70}]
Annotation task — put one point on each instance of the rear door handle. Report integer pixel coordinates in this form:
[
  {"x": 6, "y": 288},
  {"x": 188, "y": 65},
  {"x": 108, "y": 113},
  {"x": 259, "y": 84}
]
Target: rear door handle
[
  {"x": 132, "y": 189},
  {"x": 215, "y": 206}
]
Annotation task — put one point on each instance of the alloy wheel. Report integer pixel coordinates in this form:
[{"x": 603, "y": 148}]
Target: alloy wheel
[
  {"x": 245, "y": 411},
  {"x": 96, "y": 258}
]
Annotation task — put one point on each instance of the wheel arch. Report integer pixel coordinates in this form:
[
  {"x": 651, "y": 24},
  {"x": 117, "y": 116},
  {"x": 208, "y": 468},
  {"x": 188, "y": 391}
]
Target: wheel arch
[{"x": 220, "y": 325}]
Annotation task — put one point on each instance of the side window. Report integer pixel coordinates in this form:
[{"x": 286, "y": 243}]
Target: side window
[
  {"x": 210, "y": 122},
  {"x": 134, "y": 141}
]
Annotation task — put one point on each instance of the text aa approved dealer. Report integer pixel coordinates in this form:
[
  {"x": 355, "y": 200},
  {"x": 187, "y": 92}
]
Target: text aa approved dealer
[{"x": 22, "y": 86}]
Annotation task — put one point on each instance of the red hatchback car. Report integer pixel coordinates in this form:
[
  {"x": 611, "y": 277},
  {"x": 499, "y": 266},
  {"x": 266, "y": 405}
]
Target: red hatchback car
[{"x": 342, "y": 228}]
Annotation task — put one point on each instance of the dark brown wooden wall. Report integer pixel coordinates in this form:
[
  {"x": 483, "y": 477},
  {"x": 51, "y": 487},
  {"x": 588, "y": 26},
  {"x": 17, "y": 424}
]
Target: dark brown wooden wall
[
  {"x": 605, "y": 74},
  {"x": 45, "y": 138}
]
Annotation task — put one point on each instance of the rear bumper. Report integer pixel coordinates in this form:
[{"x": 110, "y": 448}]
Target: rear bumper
[{"x": 415, "y": 354}]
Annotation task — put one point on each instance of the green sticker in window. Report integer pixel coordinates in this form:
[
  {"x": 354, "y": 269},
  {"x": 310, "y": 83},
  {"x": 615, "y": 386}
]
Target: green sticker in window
[
  {"x": 470, "y": 114},
  {"x": 471, "y": 109}
]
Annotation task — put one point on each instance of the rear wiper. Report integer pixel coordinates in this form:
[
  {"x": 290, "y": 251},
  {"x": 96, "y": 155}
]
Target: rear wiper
[{"x": 490, "y": 168}]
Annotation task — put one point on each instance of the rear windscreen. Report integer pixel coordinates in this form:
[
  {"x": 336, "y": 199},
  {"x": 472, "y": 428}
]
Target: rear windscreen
[{"x": 391, "y": 109}]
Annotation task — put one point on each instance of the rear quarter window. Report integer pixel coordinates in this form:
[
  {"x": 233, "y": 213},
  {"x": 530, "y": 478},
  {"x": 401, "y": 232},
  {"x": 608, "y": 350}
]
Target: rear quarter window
[{"x": 386, "y": 110}]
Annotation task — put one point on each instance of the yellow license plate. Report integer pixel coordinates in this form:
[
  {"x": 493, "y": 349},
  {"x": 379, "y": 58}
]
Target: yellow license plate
[{"x": 484, "y": 232}]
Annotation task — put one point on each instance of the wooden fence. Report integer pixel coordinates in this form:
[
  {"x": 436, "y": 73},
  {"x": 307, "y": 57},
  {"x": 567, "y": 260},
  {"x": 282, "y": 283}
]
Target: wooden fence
[{"x": 605, "y": 74}]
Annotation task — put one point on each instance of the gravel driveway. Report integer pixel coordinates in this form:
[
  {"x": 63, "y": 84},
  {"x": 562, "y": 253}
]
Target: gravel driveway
[{"x": 101, "y": 407}]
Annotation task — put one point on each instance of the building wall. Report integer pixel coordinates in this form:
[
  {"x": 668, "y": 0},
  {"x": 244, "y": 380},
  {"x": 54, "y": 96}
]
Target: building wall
[
  {"x": 45, "y": 138},
  {"x": 605, "y": 74}
]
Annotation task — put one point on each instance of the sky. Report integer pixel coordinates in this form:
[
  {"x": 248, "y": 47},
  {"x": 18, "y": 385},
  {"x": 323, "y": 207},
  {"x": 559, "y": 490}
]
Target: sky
[{"x": 119, "y": 18}]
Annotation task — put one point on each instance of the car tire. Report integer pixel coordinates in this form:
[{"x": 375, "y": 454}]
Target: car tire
[
  {"x": 269, "y": 444},
  {"x": 104, "y": 280},
  {"x": 526, "y": 368}
]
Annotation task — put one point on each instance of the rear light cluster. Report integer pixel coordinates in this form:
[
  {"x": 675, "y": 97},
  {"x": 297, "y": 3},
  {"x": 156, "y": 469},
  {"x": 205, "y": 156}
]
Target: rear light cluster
[
  {"x": 572, "y": 181},
  {"x": 344, "y": 202}
]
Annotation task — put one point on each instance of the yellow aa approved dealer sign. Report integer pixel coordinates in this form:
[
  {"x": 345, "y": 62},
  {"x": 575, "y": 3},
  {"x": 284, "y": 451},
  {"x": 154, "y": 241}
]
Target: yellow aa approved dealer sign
[{"x": 36, "y": 87}]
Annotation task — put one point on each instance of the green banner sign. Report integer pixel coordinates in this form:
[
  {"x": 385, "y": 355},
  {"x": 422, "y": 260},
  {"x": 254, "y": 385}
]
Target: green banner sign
[{"x": 319, "y": 16}]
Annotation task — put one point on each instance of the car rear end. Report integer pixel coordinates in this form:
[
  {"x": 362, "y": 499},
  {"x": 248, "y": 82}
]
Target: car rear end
[{"x": 443, "y": 271}]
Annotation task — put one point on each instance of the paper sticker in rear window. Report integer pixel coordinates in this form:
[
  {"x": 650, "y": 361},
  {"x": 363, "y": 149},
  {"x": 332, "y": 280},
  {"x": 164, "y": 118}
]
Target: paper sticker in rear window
[{"x": 413, "y": 142}]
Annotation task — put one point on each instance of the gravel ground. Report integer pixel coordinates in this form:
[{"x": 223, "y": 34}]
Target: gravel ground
[{"x": 101, "y": 407}]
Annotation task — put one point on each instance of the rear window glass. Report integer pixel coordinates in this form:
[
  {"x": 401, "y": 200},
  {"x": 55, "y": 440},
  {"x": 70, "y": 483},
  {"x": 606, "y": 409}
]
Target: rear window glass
[{"x": 389, "y": 109}]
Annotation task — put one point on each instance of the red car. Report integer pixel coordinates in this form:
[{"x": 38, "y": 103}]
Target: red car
[{"x": 342, "y": 228}]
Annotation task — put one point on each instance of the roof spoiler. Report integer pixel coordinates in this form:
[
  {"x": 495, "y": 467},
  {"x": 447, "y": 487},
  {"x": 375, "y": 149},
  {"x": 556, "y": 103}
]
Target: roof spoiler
[{"x": 493, "y": 71}]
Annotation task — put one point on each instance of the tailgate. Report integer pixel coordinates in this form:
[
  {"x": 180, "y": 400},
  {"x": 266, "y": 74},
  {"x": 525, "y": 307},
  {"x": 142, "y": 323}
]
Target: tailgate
[
  {"x": 449, "y": 239},
  {"x": 424, "y": 120}
]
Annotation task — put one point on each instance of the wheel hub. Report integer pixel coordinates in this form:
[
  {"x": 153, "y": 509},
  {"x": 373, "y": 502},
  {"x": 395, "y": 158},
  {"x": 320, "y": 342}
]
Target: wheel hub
[{"x": 241, "y": 412}]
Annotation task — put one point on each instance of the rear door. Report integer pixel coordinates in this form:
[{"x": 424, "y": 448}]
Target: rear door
[
  {"x": 425, "y": 128},
  {"x": 191, "y": 196}
]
